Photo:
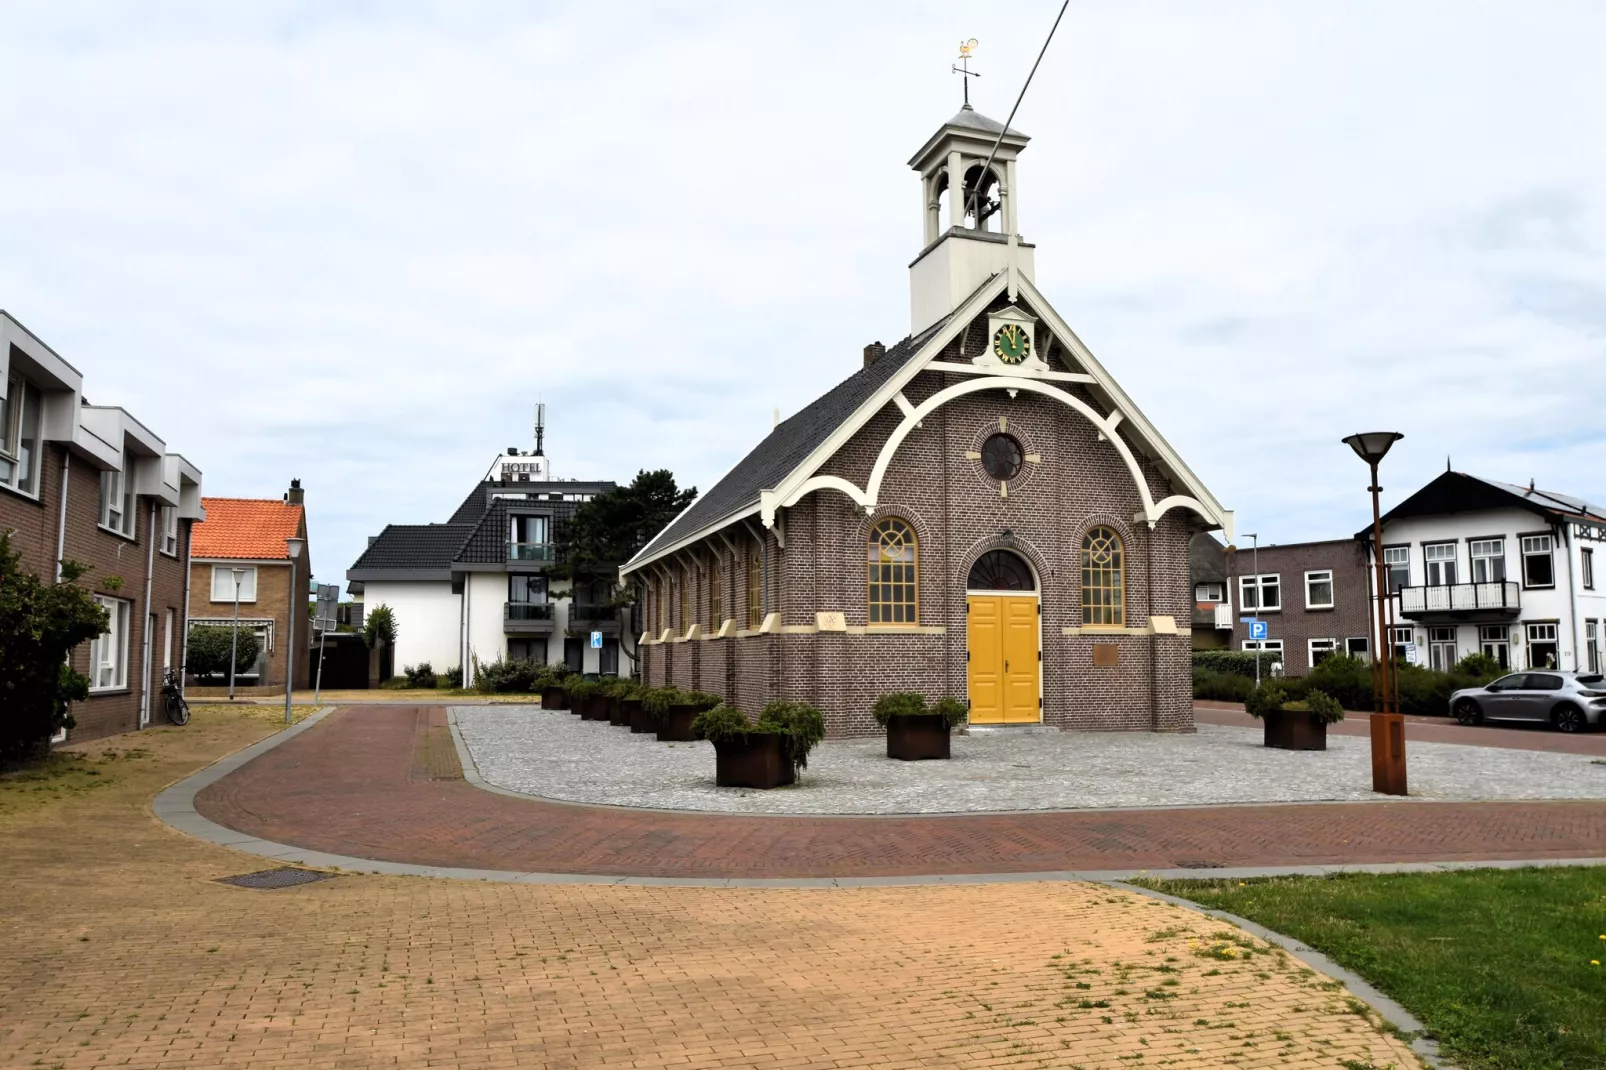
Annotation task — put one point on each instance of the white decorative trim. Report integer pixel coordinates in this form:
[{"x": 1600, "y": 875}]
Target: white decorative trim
[
  {"x": 903, "y": 403},
  {"x": 771, "y": 625}
]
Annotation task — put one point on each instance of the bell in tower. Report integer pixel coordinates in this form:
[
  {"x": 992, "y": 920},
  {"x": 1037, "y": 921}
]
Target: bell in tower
[{"x": 969, "y": 211}]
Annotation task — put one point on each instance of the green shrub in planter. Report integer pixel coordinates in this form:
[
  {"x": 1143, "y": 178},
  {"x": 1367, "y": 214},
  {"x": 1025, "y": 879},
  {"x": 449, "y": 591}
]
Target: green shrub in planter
[
  {"x": 1324, "y": 706},
  {"x": 621, "y": 688},
  {"x": 657, "y": 700},
  {"x": 898, "y": 704},
  {"x": 1269, "y": 697},
  {"x": 951, "y": 710},
  {"x": 576, "y": 686},
  {"x": 505, "y": 677},
  {"x": 727, "y": 724},
  {"x": 804, "y": 724}
]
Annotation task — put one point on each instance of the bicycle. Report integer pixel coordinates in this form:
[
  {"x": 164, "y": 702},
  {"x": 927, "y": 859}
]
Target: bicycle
[{"x": 178, "y": 710}]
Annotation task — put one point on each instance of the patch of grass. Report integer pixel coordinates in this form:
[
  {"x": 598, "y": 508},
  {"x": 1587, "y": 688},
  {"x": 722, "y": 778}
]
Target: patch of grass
[{"x": 1500, "y": 965}]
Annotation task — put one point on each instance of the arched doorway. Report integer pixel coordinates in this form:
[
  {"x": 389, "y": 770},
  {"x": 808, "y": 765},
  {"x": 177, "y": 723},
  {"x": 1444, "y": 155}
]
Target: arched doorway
[{"x": 1003, "y": 640}]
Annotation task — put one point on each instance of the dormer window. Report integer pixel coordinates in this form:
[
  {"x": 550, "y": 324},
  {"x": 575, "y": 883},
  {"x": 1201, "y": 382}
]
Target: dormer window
[{"x": 19, "y": 435}]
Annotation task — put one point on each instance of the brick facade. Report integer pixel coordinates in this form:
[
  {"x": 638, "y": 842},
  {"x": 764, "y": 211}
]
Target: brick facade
[
  {"x": 273, "y": 600},
  {"x": 957, "y": 513},
  {"x": 1296, "y": 623},
  {"x": 35, "y": 524}
]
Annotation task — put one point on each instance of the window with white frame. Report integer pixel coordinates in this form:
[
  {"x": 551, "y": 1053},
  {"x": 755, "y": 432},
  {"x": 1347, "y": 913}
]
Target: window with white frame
[
  {"x": 1538, "y": 561},
  {"x": 1592, "y": 644},
  {"x": 1543, "y": 651},
  {"x": 108, "y": 652},
  {"x": 1210, "y": 592},
  {"x": 170, "y": 530},
  {"x": 1494, "y": 640},
  {"x": 1358, "y": 646},
  {"x": 1264, "y": 592},
  {"x": 1319, "y": 590},
  {"x": 1440, "y": 560},
  {"x": 223, "y": 583},
  {"x": 1488, "y": 560},
  {"x": 1402, "y": 640},
  {"x": 117, "y": 502},
  {"x": 1441, "y": 649},
  {"x": 1586, "y": 567},
  {"x": 1270, "y": 646},
  {"x": 1320, "y": 649},
  {"x": 19, "y": 435},
  {"x": 1397, "y": 559}
]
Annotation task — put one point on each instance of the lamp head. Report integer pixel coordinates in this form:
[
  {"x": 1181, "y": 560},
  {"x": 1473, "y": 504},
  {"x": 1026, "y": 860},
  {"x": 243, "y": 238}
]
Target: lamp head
[
  {"x": 294, "y": 545},
  {"x": 239, "y": 574},
  {"x": 1372, "y": 446}
]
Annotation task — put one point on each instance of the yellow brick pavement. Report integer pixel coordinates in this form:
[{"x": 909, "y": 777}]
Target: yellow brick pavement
[{"x": 121, "y": 950}]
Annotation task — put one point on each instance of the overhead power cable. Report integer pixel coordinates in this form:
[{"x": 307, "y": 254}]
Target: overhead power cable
[{"x": 975, "y": 194}]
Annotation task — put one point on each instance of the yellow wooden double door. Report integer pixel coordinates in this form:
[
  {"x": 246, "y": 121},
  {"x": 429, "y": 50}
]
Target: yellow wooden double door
[{"x": 1005, "y": 666}]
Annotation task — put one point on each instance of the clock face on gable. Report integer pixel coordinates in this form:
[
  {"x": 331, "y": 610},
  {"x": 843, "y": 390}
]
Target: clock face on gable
[{"x": 1012, "y": 343}]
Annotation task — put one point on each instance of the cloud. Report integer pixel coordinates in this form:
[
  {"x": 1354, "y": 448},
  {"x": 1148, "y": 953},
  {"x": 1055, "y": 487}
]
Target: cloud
[{"x": 355, "y": 243}]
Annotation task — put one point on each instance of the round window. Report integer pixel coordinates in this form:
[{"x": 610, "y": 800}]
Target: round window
[{"x": 1001, "y": 456}]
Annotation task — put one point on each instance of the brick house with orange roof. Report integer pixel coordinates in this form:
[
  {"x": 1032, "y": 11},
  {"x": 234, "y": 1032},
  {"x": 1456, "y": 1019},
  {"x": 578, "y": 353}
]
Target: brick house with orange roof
[{"x": 249, "y": 534}]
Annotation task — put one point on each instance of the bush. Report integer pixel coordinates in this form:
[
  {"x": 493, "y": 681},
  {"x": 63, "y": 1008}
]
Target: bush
[
  {"x": 395, "y": 683},
  {"x": 421, "y": 675},
  {"x": 509, "y": 677},
  {"x": 726, "y": 724},
  {"x": 1479, "y": 666},
  {"x": 621, "y": 688},
  {"x": 1240, "y": 662},
  {"x": 803, "y": 724},
  {"x": 380, "y": 627},
  {"x": 951, "y": 710},
  {"x": 898, "y": 704},
  {"x": 1346, "y": 679},
  {"x": 1221, "y": 686},
  {"x": 208, "y": 653},
  {"x": 1324, "y": 706},
  {"x": 39, "y": 623},
  {"x": 1269, "y": 697},
  {"x": 453, "y": 677}
]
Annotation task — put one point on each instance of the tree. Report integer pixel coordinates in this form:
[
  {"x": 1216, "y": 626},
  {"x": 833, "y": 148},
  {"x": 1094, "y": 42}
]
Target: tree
[
  {"x": 209, "y": 647},
  {"x": 611, "y": 528},
  {"x": 40, "y": 623},
  {"x": 380, "y": 630}
]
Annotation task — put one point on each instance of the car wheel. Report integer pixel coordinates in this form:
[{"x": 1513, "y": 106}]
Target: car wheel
[
  {"x": 1568, "y": 718},
  {"x": 1467, "y": 712}
]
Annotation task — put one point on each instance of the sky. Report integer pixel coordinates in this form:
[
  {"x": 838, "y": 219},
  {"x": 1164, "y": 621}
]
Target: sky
[{"x": 355, "y": 243}]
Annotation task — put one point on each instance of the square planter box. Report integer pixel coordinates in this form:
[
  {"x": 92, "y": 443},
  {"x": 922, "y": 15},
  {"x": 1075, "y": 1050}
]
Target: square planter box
[
  {"x": 594, "y": 708},
  {"x": 759, "y": 761},
  {"x": 911, "y": 737},
  {"x": 1295, "y": 730},
  {"x": 553, "y": 698},
  {"x": 675, "y": 726},
  {"x": 640, "y": 721},
  {"x": 618, "y": 716}
]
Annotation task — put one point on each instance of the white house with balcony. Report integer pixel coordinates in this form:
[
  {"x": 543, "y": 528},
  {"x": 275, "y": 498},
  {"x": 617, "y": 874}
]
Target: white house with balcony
[
  {"x": 476, "y": 589},
  {"x": 1510, "y": 571}
]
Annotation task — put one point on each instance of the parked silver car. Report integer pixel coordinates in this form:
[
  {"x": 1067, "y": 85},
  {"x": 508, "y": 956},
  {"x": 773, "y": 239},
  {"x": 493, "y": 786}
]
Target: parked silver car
[{"x": 1569, "y": 700}]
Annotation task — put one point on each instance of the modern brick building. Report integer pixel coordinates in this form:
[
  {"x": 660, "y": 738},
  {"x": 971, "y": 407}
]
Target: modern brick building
[
  {"x": 250, "y": 535},
  {"x": 1313, "y": 596},
  {"x": 979, "y": 511},
  {"x": 92, "y": 484}
]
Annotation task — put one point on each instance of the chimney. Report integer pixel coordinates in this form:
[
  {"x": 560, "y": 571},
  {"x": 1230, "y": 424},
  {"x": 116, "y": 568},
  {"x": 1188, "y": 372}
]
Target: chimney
[
  {"x": 874, "y": 352},
  {"x": 295, "y": 495}
]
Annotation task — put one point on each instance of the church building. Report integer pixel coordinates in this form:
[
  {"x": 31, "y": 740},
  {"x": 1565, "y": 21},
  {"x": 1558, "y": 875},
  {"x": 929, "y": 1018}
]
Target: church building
[{"x": 978, "y": 511}]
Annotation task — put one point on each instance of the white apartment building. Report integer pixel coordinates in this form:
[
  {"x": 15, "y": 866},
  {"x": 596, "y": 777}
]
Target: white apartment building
[{"x": 1511, "y": 571}]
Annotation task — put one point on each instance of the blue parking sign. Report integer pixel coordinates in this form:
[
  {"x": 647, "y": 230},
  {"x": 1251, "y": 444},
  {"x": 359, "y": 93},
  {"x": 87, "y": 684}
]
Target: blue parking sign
[
  {"x": 1257, "y": 629},
  {"x": 596, "y": 640}
]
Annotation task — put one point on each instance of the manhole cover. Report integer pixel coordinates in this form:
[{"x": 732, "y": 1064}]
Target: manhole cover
[
  {"x": 1200, "y": 865},
  {"x": 275, "y": 878}
]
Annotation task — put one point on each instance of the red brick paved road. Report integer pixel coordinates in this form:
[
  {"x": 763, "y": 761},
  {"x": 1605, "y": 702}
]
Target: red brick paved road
[
  {"x": 361, "y": 784},
  {"x": 1505, "y": 734}
]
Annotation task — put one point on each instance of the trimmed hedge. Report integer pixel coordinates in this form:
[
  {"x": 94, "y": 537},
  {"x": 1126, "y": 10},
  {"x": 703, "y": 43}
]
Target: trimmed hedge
[
  {"x": 1347, "y": 680},
  {"x": 1241, "y": 662}
]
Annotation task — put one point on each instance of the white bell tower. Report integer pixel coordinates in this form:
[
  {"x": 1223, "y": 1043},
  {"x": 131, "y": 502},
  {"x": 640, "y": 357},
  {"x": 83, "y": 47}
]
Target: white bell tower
[{"x": 969, "y": 214}]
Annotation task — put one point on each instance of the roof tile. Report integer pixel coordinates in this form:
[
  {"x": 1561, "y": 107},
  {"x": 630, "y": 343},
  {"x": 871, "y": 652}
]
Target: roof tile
[{"x": 246, "y": 528}]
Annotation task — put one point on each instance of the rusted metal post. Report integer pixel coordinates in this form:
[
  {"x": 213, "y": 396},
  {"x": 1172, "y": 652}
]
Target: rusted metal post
[{"x": 1387, "y": 725}]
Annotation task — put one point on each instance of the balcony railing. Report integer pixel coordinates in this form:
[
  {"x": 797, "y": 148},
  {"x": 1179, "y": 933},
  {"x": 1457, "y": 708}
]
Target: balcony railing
[
  {"x": 529, "y": 551},
  {"x": 526, "y": 610},
  {"x": 1499, "y": 597},
  {"x": 592, "y": 614}
]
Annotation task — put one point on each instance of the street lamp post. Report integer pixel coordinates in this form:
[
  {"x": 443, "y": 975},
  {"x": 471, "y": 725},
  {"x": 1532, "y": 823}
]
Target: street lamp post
[
  {"x": 1255, "y": 542},
  {"x": 234, "y": 636},
  {"x": 297, "y": 606},
  {"x": 1387, "y": 724}
]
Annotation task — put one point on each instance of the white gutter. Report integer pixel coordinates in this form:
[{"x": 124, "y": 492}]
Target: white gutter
[
  {"x": 61, "y": 521},
  {"x": 184, "y": 617},
  {"x": 145, "y": 655}
]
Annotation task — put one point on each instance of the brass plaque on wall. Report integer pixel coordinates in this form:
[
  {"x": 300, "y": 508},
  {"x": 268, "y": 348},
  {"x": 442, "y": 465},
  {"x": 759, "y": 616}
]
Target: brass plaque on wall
[{"x": 1106, "y": 654}]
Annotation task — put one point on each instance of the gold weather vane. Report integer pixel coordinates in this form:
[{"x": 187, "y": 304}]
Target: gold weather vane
[{"x": 963, "y": 67}]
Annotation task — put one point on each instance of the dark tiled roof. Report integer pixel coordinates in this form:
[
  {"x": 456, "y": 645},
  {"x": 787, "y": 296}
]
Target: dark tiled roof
[
  {"x": 414, "y": 547},
  {"x": 1458, "y": 492},
  {"x": 473, "y": 506},
  {"x": 789, "y": 445}
]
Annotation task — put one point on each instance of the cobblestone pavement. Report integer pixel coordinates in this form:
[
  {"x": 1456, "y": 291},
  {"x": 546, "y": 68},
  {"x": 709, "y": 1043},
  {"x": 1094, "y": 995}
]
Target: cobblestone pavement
[
  {"x": 558, "y": 756},
  {"x": 1511, "y": 734},
  {"x": 122, "y": 950},
  {"x": 381, "y": 783}
]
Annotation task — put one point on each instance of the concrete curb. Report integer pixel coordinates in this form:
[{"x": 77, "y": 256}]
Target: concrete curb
[
  {"x": 175, "y": 806},
  {"x": 1391, "y": 1012}
]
